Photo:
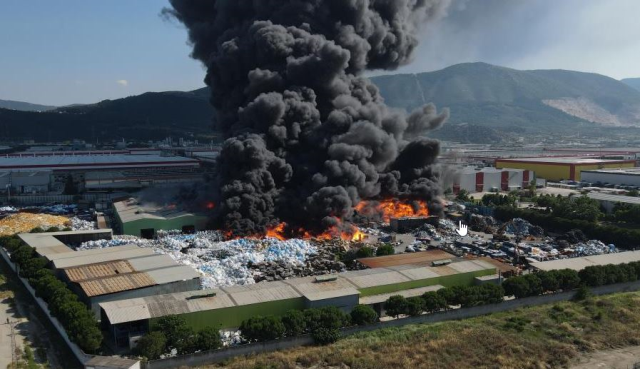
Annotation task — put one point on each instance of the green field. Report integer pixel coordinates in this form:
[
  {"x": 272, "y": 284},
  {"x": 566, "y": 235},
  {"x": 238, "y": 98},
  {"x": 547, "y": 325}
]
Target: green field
[{"x": 548, "y": 336}]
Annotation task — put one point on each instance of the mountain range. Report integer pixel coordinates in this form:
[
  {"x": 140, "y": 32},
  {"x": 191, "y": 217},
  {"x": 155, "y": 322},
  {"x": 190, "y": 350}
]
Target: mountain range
[
  {"x": 486, "y": 102},
  {"x": 24, "y": 106},
  {"x": 633, "y": 82}
]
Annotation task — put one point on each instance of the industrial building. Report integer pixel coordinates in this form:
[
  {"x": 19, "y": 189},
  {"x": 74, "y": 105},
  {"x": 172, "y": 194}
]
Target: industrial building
[
  {"x": 144, "y": 220},
  {"x": 30, "y": 182},
  {"x": 562, "y": 168},
  {"x": 578, "y": 264},
  {"x": 110, "y": 274},
  {"x": 473, "y": 180},
  {"x": 227, "y": 307},
  {"x": 100, "y": 172},
  {"x": 618, "y": 176},
  {"x": 608, "y": 202}
]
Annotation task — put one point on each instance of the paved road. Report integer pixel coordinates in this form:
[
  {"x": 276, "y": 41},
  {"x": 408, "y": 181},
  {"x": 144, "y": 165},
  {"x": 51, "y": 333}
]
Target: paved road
[{"x": 6, "y": 342}]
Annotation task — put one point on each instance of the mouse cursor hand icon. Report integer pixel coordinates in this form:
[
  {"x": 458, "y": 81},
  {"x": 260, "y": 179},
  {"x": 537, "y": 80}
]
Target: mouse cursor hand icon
[{"x": 462, "y": 229}]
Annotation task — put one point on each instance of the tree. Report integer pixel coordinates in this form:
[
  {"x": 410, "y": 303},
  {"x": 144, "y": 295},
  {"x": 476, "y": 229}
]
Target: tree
[
  {"x": 434, "y": 302},
  {"x": 414, "y": 306},
  {"x": 22, "y": 255},
  {"x": 294, "y": 323},
  {"x": 463, "y": 196},
  {"x": 516, "y": 286},
  {"x": 177, "y": 332},
  {"x": 257, "y": 329},
  {"x": 207, "y": 339},
  {"x": 329, "y": 317},
  {"x": 633, "y": 193},
  {"x": 453, "y": 295},
  {"x": 364, "y": 252},
  {"x": 363, "y": 315},
  {"x": 550, "y": 280},
  {"x": 396, "y": 305},
  {"x": 152, "y": 345},
  {"x": 568, "y": 279},
  {"x": 325, "y": 336},
  {"x": 535, "y": 284},
  {"x": 593, "y": 276},
  {"x": 385, "y": 250}
]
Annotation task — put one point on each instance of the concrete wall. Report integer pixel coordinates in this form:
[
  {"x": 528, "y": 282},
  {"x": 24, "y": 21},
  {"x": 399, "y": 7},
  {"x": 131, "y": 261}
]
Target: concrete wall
[{"x": 215, "y": 356}]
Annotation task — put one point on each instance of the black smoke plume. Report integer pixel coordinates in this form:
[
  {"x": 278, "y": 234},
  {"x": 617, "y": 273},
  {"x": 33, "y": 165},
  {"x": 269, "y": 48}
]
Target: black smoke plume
[{"x": 308, "y": 137}]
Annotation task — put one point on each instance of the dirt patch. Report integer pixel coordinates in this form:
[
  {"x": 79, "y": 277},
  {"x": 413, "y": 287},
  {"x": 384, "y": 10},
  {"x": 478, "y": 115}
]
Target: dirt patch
[{"x": 625, "y": 358}]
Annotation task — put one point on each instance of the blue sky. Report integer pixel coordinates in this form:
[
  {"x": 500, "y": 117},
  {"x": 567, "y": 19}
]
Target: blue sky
[
  {"x": 62, "y": 52},
  {"x": 75, "y": 51}
]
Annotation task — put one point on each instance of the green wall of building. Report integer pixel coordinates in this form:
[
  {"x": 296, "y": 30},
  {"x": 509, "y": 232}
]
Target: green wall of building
[
  {"x": 233, "y": 316},
  {"x": 463, "y": 279},
  {"x": 133, "y": 228}
]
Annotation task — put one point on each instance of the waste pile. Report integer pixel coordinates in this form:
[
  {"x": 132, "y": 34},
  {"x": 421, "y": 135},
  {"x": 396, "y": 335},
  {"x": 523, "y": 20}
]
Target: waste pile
[
  {"x": 78, "y": 224},
  {"x": 323, "y": 261},
  {"x": 524, "y": 228},
  {"x": 593, "y": 247},
  {"x": 8, "y": 209},
  {"x": 221, "y": 263},
  {"x": 480, "y": 223},
  {"x": 25, "y": 222},
  {"x": 231, "y": 338}
]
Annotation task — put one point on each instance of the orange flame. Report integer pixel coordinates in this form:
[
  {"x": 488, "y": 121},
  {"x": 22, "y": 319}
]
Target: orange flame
[
  {"x": 277, "y": 232},
  {"x": 352, "y": 233},
  {"x": 393, "y": 208}
]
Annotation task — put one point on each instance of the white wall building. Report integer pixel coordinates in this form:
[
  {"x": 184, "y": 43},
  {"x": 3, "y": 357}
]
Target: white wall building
[{"x": 473, "y": 180}]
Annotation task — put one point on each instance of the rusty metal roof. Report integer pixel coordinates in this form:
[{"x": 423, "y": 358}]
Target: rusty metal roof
[
  {"x": 117, "y": 283},
  {"x": 99, "y": 270}
]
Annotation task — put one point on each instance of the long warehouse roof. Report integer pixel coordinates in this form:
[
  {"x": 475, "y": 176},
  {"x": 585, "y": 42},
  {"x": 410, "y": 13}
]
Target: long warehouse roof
[
  {"x": 132, "y": 210},
  {"x": 583, "y": 262},
  {"x": 310, "y": 288},
  {"x": 599, "y": 196},
  {"x": 92, "y": 161},
  {"x": 564, "y": 160}
]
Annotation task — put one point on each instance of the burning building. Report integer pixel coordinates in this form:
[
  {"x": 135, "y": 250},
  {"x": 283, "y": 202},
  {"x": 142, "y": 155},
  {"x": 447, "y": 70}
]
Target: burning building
[{"x": 308, "y": 138}]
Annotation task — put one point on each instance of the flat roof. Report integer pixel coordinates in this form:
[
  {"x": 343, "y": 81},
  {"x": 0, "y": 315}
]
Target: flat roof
[
  {"x": 345, "y": 284},
  {"x": 424, "y": 258},
  {"x": 583, "y": 262},
  {"x": 87, "y": 257},
  {"x": 49, "y": 246},
  {"x": 414, "y": 292},
  {"x": 599, "y": 196},
  {"x": 115, "y": 362},
  {"x": 92, "y": 162},
  {"x": 563, "y": 160},
  {"x": 132, "y": 210},
  {"x": 635, "y": 171}
]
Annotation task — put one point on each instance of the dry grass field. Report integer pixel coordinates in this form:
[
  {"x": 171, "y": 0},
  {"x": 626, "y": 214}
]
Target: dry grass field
[{"x": 550, "y": 336}]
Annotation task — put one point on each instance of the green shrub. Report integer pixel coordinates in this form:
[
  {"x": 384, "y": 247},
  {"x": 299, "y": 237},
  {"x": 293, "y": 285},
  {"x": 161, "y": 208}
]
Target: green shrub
[
  {"x": 151, "y": 345},
  {"x": 257, "y": 329},
  {"x": 434, "y": 302},
  {"x": 385, "y": 250},
  {"x": 363, "y": 315},
  {"x": 365, "y": 252},
  {"x": 325, "y": 336},
  {"x": 395, "y": 306},
  {"x": 294, "y": 323}
]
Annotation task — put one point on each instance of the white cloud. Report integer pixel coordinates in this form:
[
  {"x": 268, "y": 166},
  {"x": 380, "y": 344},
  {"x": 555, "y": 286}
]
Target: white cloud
[{"x": 122, "y": 82}]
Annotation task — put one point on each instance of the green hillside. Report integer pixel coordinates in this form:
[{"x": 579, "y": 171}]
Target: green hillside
[{"x": 488, "y": 95}]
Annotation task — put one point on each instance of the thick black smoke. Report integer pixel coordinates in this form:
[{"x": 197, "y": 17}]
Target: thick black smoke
[{"x": 308, "y": 136}]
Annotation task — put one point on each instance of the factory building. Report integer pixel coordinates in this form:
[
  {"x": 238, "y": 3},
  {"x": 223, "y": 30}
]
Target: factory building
[
  {"x": 618, "y": 176},
  {"x": 103, "y": 172},
  {"x": 144, "y": 220},
  {"x": 110, "y": 274},
  {"x": 608, "y": 202},
  {"x": 578, "y": 264},
  {"x": 562, "y": 168},
  {"x": 227, "y": 307},
  {"x": 473, "y": 180},
  {"x": 30, "y": 182}
]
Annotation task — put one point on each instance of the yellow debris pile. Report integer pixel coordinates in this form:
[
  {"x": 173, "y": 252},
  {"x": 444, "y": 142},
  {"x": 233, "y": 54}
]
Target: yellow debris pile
[{"x": 25, "y": 222}]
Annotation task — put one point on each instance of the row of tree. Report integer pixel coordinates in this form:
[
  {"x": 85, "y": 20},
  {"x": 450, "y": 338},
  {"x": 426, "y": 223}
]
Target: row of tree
[
  {"x": 443, "y": 299},
  {"x": 541, "y": 282},
  {"x": 173, "y": 333},
  {"x": 79, "y": 322},
  {"x": 323, "y": 324}
]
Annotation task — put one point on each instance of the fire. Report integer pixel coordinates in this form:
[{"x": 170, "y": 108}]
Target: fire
[
  {"x": 393, "y": 208},
  {"x": 347, "y": 233},
  {"x": 211, "y": 205},
  {"x": 277, "y": 232}
]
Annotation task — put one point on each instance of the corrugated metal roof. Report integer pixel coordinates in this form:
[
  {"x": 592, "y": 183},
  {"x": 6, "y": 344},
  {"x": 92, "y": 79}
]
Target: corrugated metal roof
[
  {"x": 88, "y": 161},
  {"x": 173, "y": 274},
  {"x": 117, "y": 283},
  {"x": 583, "y": 262},
  {"x": 151, "y": 262},
  {"x": 131, "y": 210},
  {"x": 100, "y": 270},
  {"x": 614, "y": 198},
  {"x": 562, "y": 160},
  {"x": 345, "y": 284},
  {"x": 93, "y": 252},
  {"x": 88, "y": 257}
]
